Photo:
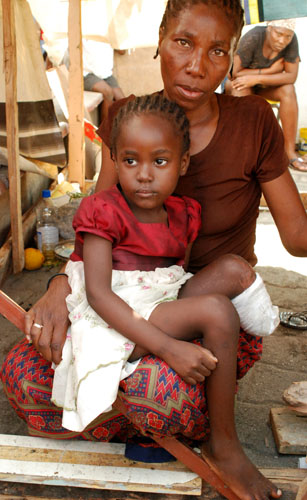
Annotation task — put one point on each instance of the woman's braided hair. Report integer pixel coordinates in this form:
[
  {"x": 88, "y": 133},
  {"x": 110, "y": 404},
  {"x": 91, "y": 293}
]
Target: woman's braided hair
[
  {"x": 232, "y": 9},
  {"x": 153, "y": 104}
]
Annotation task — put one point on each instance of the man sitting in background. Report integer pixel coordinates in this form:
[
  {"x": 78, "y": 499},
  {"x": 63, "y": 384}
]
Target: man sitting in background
[{"x": 266, "y": 63}]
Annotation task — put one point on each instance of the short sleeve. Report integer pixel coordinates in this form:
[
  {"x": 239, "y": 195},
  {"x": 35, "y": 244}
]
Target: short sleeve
[
  {"x": 272, "y": 159},
  {"x": 291, "y": 52},
  {"x": 248, "y": 44},
  {"x": 194, "y": 218},
  {"x": 96, "y": 216}
]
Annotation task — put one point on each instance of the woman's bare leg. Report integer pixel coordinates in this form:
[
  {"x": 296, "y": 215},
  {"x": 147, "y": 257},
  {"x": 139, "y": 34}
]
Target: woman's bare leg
[
  {"x": 228, "y": 275},
  {"x": 214, "y": 318}
]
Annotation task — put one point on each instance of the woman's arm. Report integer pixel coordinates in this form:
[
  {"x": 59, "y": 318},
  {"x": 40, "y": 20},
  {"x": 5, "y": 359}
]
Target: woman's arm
[
  {"x": 107, "y": 175},
  {"x": 187, "y": 361},
  {"x": 280, "y": 73},
  {"x": 289, "y": 214}
]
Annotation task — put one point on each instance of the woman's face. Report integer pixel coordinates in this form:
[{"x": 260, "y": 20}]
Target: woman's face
[
  {"x": 279, "y": 38},
  {"x": 196, "y": 53}
]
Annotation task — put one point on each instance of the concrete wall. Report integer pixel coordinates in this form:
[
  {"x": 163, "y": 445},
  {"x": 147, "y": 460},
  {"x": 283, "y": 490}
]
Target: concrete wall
[{"x": 139, "y": 73}]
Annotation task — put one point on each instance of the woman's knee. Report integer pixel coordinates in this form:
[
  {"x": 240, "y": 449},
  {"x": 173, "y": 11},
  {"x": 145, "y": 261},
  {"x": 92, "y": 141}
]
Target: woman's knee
[
  {"x": 287, "y": 92},
  {"x": 237, "y": 269}
]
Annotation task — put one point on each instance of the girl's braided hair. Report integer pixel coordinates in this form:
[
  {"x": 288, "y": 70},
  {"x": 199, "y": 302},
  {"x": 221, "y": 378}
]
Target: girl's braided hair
[
  {"x": 232, "y": 9},
  {"x": 153, "y": 104}
]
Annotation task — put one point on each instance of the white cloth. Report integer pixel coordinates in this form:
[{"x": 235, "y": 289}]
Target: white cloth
[
  {"x": 98, "y": 58},
  {"x": 94, "y": 355},
  {"x": 283, "y": 23},
  {"x": 257, "y": 314}
]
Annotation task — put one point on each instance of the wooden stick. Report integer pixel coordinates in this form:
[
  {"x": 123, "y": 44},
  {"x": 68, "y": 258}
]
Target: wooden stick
[
  {"x": 11, "y": 109},
  {"x": 76, "y": 143},
  {"x": 12, "y": 311}
]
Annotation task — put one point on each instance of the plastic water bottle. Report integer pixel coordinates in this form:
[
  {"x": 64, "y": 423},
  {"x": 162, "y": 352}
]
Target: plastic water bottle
[{"x": 47, "y": 230}]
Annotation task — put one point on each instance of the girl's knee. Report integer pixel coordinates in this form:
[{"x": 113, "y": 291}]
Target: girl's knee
[{"x": 222, "y": 314}]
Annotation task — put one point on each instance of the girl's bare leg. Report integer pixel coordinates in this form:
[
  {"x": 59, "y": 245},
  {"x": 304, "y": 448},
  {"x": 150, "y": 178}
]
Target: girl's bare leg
[{"x": 214, "y": 318}]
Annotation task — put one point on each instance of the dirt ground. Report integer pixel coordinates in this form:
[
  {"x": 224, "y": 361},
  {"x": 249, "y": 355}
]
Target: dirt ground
[{"x": 284, "y": 361}]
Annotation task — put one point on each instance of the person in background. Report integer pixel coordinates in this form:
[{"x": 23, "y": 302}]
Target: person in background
[
  {"x": 266, "y": 63},
  {"x": 98, "y": 60}
]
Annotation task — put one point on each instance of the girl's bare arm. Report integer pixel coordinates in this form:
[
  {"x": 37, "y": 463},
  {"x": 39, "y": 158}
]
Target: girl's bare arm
[{"x": 187, "y": 359}]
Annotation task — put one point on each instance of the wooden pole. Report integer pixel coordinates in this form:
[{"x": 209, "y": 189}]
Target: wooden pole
[
  {"x": 11, "y": 110},
  {"x": 76, "y": 144}
]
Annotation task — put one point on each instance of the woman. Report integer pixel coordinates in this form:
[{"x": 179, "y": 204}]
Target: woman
[
  {"x": 266, "y": 63},
  {"x": 237, "y": 152}
]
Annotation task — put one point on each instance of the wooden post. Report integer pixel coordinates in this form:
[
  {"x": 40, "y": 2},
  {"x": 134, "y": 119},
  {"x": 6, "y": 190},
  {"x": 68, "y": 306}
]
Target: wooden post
[
  {"x": 11, "y": 109},
  {"x": 76, "y": 144}
]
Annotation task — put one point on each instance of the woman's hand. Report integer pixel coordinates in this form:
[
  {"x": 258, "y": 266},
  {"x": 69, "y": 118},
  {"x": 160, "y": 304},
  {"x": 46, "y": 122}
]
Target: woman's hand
[
  {"x": 47, "y": 321},
  {"x": 192, "y": 362},
  {"x": 245, "y": 82}
]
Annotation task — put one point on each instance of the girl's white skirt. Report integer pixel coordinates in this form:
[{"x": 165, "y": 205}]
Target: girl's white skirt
[{"x": 94, "y": 355}]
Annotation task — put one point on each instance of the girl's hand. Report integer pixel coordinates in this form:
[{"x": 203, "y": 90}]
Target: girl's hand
[{"x": 192, "y": 362}]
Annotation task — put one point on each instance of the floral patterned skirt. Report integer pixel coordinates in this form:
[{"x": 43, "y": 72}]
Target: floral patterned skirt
[{"x": 157, "y": 399}]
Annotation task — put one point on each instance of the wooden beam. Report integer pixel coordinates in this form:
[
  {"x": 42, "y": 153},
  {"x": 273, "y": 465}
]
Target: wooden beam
[
  {"x": 89, "y": 465},
  {"x": 289, "y": 430},
  {"x": 76, "y": 143},
  {"x": 11, "y": 109}
]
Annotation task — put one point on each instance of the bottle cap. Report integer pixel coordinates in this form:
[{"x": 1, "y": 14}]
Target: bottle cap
[{"x": 46, "y": 193}]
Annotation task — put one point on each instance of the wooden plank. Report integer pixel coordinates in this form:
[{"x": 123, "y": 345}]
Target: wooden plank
[
  {"x": 76, "y": 143},
  {"x": 302, "y": 491},
  {"x": 11, "y": 110},
  {"x": 290, "y": 431},
  {"x": 89, "y": 465}
]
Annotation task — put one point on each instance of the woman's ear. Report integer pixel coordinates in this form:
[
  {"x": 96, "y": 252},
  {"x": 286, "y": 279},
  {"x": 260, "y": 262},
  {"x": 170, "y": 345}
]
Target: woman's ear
[
  {"x": 185, "y": 161},
  {"x": 161, "y": 36}
]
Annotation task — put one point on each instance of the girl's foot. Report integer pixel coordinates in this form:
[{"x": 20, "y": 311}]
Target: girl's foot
[{"x": 237, "y": 472}]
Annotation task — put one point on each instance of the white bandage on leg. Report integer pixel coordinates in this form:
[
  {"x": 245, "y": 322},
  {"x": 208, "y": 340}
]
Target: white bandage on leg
[{"x": 257, "y": 314}]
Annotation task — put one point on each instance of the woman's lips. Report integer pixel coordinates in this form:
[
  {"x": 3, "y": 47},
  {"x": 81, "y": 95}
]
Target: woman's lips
[{"x": 189, "y": 92}]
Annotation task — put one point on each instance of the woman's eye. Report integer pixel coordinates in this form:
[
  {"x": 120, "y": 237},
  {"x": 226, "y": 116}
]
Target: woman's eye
[
  {"x": 161, "y": 162},
  {"x": 219, "y": 52},
  {"x": 183, "y": 43}
]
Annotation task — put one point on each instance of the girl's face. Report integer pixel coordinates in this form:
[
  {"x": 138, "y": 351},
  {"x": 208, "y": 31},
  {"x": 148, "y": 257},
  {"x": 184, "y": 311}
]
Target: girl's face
[
  {"x": 196, "y": 52},
  {"x": 149, "y": 161}
]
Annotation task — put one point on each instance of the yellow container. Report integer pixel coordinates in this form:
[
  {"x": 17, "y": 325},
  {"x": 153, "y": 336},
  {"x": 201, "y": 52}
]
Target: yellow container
[{"x": 302, "y": 143}]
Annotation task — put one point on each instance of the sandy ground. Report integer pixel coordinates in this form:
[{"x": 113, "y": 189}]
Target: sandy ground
[{"x": 284, "y": 356}]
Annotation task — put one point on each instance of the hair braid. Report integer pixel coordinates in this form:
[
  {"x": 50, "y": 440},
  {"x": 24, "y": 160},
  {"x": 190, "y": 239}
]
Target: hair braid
[{"x": 153, "y": 104}]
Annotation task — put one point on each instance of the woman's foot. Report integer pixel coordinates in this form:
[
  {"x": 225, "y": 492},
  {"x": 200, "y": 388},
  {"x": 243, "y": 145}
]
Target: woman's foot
[{"x": 237, "y": 472}]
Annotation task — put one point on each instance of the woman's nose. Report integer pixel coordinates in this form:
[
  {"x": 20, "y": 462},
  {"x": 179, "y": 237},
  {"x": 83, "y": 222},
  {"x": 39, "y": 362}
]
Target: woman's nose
[{"x": 196, "y": 65}]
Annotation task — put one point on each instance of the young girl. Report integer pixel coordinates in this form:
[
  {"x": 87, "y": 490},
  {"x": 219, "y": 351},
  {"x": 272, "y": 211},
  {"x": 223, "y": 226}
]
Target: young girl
[{"x": 132, "y": 242}]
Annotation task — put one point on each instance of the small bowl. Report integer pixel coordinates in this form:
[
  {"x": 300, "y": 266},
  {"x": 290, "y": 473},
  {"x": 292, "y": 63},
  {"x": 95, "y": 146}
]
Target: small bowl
[{"x": 64, "y": 249}]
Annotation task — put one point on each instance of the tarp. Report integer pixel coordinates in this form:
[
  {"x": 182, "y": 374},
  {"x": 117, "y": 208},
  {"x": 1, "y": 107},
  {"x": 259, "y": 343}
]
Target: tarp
[
  {"x": 257, "y": 11},
  {"x": 40, "y": 136},
  {"x": 125, "y": 24}
]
